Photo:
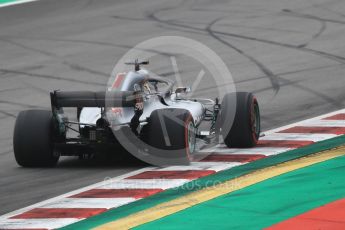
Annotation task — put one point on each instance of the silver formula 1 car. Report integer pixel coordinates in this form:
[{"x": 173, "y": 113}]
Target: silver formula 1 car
[{"x": 140, "y": 111}]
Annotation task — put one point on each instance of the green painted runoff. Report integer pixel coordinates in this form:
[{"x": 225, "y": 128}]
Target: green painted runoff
[
  {"x": 266, "y": 203},
  {"x": 7, "y": 1}
]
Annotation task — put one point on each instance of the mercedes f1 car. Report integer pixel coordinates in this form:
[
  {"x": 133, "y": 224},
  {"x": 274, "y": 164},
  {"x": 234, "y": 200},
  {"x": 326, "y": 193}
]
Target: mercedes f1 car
[{"x": 140, "y": 111}]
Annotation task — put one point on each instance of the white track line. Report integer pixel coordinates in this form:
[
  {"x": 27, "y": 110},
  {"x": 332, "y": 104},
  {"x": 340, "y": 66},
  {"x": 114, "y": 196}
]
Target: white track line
[
  {"x": 89, "y": 202},
  {"x": 49, "y": 223},
  {"x": 16, "y": 3},
  {"x": 144, "y": 184},
  {"x": 298, "y": 137},
  {"x": 325, "y": 123},
  {"x": 267, "y": 151},
  {"x": 301, "y": 123},
  {"x": 215, "y": 166}
]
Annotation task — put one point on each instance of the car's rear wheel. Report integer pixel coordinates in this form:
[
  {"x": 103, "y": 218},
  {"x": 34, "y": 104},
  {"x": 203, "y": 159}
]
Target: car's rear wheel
[
  {"x": 170, "y": 133},
  {"x": 32, "y": 139},
  {"x": 244, "y": 131}
]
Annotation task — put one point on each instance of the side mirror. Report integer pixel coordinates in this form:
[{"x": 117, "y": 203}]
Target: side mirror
[{"x": 183, "y": 90}]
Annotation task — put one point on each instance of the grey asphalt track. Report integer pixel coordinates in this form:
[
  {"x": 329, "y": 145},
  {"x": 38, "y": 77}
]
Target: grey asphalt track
[{"x": 291, "y": 54}]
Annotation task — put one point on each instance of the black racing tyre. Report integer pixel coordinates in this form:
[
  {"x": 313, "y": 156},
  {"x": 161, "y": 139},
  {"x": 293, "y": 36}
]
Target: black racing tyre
[
  {"x": 245, "y": 130},
  {"x": 32, "y": 139},
  {"x": 171, "y": 133}
]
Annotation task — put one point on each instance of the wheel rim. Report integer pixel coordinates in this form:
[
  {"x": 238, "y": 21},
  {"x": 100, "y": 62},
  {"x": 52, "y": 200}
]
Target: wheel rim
[{"x": 191, "y": 137}]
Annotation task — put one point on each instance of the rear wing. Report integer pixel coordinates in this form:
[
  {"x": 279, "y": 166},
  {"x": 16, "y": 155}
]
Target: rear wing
[{"x": 99, "y": 99}]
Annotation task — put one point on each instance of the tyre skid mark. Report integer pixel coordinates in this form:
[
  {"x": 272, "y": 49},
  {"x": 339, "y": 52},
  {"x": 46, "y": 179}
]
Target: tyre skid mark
[
  {"x": 271, "y": 76},
  {"x": 314, "y": 92},
  {"x": 283, "y": 82},
  {"x": 331, "y": 56},
  {"x": 321, "y": 30},
  {"x": 73, "y": 66},
  {"x": 48, "y": 77},
  {"x": 309, "y": 16},
  {"x": 7, "y": 114},
  {"x": 20, "y": 105}
]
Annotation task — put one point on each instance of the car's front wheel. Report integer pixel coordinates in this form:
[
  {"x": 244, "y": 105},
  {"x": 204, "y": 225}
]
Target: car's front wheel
[{"x": 240, "y": 120}]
